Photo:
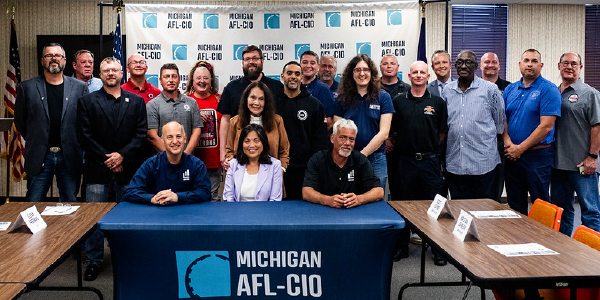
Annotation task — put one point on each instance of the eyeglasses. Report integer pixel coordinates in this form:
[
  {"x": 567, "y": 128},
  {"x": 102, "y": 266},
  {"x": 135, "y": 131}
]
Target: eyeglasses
[
  {"x": 106, "y": 71},
  {"x": 137, "y": 62},
  {"x": 253, "y": 59},
  {"x": 566, "y": 64},
  {"x": 51, "y": 56},
  {"x": 468, "y": 63},
  {"x": 363, "y": 70}
]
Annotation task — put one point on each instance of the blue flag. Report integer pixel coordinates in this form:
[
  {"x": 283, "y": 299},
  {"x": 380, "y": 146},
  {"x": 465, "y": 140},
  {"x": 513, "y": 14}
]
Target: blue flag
[
  {"x": 118, "y": 46},
  {"x": 421, "y": 53}
]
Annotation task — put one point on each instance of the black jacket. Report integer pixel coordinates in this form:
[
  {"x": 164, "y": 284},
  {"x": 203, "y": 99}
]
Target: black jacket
[{"x": 304, "y": 121}]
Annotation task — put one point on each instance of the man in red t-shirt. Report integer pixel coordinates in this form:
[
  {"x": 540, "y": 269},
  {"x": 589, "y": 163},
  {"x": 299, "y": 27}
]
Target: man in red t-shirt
[{"x": 137, "y": 84}]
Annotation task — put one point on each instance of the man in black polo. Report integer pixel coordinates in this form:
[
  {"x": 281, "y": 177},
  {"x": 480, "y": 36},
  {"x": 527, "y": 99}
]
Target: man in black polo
[
  {"x": 252, "y": 65},
  {"x": 341, "y": 177},
  {"x": 419, "y": 125}
]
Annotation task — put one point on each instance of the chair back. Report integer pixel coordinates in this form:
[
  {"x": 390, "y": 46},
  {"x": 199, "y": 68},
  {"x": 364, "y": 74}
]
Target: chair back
[
  {"x": 587, "y": 236},
  {"x": 546, "y": 213}
]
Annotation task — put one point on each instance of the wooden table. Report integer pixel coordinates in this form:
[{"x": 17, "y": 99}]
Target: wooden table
[
  {"x": 11, "y": 290},
  {"x": 28, "y": 258},
  {"x": 576, "y": 266}
]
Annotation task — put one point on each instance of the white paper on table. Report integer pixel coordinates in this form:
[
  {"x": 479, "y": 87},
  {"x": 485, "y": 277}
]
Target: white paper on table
[
  {"x": 494, "y": 214},
  {"x": 59, "y": 210},
  {"x": 523, "y": 250},
  {"x": 4, "y": 225}
]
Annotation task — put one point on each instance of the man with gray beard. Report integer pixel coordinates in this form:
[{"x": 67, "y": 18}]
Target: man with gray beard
[
  {"x": 45, "y": 115},
  {"x": 341, "y": 177}
]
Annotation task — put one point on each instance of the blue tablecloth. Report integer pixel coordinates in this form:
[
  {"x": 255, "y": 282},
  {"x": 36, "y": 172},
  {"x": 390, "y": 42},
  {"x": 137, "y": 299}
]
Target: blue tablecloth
[{"x": 260, "y": 250}]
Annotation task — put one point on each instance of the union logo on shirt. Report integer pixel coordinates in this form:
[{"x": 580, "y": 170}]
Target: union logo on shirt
[{"x": 429, "y": 110}]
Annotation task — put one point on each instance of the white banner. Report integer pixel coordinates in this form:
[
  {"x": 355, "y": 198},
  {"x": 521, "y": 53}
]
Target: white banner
[{"x": 184, "y": 34}]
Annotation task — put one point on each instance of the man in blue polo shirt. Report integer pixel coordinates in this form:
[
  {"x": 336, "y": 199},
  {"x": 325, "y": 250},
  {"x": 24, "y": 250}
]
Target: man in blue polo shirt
[{"x": 532, "y": 106}]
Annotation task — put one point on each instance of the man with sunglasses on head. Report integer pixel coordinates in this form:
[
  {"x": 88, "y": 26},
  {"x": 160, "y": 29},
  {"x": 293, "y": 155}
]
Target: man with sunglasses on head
[
  {"x": 252, "y": 65},
  {"x": 137, "y": 83},
  {"x": 45, "y": 115}
]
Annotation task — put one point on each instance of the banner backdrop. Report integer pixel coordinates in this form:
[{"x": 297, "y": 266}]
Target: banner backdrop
[{"x": 184, "y": 34}]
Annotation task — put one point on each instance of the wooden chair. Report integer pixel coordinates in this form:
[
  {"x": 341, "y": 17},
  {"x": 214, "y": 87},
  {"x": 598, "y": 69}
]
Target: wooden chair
[{"x": 546, "y": 213}]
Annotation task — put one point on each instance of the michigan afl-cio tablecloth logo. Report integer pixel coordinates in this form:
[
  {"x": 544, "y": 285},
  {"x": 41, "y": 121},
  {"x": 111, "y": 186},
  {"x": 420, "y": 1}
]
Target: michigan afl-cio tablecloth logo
[{"x": 203, "y": 274}]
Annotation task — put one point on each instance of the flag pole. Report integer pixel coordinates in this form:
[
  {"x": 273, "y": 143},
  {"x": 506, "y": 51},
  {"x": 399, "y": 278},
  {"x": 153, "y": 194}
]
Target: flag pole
[{"x": 8, "y": 158}]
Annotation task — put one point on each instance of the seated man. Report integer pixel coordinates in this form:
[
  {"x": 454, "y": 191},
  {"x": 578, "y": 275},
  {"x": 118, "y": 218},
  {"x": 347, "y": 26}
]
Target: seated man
[
  {"x": 172, "y": 176},
  {"x": 341, "y": 177}
]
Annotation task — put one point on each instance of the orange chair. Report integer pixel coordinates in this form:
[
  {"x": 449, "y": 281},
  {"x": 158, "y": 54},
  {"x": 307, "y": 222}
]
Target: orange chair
[
  {"x": 546, "y": 213},
  {"x": 591, "y": 238},
  {"x": 588, "y": 236}
]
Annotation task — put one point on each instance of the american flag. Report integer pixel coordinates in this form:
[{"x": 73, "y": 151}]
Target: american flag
[
  {"x": 13, "y": 148},
  {"x": 118, "y": 46}
]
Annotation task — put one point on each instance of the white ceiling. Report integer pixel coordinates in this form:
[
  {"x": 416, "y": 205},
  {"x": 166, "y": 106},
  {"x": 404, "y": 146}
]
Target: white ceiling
[{"x": 524, "y": 1}]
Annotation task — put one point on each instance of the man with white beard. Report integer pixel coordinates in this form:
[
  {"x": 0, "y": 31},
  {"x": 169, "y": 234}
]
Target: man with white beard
[{"x": 341, "y": 177}]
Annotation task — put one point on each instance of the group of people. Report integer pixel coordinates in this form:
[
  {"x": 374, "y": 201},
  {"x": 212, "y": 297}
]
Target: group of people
[{"x": 311, "y": 137}]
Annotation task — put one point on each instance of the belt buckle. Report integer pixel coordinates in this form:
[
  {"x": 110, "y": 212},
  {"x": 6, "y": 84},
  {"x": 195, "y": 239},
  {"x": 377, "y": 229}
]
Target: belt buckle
[
  {"x": 54, "y": 149},
  {"x": 419, "y": 156}
]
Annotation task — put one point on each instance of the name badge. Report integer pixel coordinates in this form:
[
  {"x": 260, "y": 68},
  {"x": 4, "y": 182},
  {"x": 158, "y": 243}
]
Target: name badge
[{"x": 573, "y": 98}]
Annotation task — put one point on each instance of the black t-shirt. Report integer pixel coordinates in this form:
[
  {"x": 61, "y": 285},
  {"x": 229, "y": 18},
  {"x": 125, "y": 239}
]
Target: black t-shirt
[
  {"x": 232, "y": 94},
  {"x": 502, "y": 84},
  {"x": 327, "y": 178},
  {"x": 396, "y": 89},
  {"x": 417, "y": 123},
  {"x": 55, "y": 94}
]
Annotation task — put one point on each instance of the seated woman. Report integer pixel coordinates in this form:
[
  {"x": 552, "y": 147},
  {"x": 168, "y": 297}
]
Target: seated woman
[
  {"x": 257, "y": 106},
  {"x": 253, "y": 175}
]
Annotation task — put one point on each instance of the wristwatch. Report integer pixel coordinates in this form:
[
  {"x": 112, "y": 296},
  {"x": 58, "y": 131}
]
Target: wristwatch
[{"x": 592, "y": 155}]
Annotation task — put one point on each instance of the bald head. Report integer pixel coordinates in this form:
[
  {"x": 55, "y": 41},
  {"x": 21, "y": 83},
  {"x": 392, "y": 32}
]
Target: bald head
[
  {"x": 490, "y": 66},
  {"x": 136, "y": 66},
  {"x": 419, "y": 74},
  {"x": 173, "y": 138}
]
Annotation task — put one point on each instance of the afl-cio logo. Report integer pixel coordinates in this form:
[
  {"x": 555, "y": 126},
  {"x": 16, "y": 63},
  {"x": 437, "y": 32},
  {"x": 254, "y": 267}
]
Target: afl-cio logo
[
  {"x": 302, "y": 115},
  {"x": 203, "y": 274}
]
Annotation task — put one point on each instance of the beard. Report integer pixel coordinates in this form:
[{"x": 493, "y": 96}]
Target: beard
[
  {"x": 252, "y": 75},
  {"x": 344, "y": 152},
  {"x": 54, "y": 70},
  {"x": 326, "y": 77}
]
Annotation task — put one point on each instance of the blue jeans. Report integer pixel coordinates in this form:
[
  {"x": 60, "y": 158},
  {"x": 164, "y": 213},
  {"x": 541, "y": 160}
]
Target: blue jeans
[
  {"x": 94, "y": 245},
  {"x": 379, "y": 164},
  {"x": 528, "y": 174},
  {"x": 564, "y": 184},
  {"x": 54, "y": 165}
]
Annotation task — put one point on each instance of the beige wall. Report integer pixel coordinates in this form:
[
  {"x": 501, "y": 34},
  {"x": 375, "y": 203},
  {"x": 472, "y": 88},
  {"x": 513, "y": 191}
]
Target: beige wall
[{"x": 552, "y": 29}]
